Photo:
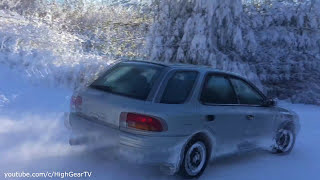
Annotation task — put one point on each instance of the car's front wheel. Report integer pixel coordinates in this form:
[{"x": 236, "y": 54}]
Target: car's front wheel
[
  {"x": 195, "y": 159},
  {"x": 284, "y": 141}
]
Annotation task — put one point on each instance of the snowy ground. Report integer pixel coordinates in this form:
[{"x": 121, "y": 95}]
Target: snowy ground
[{"x": 33, "y": 137}]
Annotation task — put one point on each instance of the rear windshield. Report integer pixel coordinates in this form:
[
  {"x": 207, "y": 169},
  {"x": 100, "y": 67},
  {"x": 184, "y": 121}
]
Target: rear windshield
[{"x": 129, "y": 79}]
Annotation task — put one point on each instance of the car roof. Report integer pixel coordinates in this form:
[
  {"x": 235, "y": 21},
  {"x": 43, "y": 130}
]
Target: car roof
[{"x": 203, "y": 68}]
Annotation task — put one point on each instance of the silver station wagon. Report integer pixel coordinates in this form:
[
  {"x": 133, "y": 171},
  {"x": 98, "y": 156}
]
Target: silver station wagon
[{"x": 178, "y": 116}]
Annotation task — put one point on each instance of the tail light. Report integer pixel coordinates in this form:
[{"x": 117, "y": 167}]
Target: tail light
[
  {"x": 143, "y": 122},
  {"x": 76, "y": 102}
]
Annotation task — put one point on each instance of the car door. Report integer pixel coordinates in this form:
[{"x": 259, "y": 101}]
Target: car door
[
  {"x": 218, "y": 104},
  {"x": 173, "y": 102},
  {"x": 260, "y": 118}
]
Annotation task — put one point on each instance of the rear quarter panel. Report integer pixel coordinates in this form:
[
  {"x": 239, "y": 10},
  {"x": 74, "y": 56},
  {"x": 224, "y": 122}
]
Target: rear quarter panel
[{"x": 181, "y": 119}]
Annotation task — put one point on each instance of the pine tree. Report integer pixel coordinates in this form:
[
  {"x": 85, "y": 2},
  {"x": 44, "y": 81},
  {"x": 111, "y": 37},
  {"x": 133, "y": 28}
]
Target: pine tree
[
  {"x": 208, "y": 32},
  {"x": 276, "y": 42}
]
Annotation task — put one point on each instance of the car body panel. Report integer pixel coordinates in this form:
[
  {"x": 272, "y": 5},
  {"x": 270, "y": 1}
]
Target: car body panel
[
  {"x": 260, "y": 128},
  {"x": 228, "y": 127}
]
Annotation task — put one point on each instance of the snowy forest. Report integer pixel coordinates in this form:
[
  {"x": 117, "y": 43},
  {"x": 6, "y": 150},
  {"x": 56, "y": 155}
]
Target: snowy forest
[{"x": 274, "y": 43}]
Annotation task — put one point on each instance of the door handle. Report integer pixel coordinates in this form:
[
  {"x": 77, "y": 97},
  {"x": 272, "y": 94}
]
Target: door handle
[
  {"x": 250, "y": 117},
  {"x": 210, "y": 117}
]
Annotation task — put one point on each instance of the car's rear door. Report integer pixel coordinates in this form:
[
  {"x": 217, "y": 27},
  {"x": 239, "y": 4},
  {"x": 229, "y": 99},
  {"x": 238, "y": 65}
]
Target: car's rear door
[
  {"x": 218, "y": 106},
  {"x": 259, "y": 118}
]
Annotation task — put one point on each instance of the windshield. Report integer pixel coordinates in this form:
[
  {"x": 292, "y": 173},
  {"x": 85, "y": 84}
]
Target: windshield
[{"x": 129, "y": 79}]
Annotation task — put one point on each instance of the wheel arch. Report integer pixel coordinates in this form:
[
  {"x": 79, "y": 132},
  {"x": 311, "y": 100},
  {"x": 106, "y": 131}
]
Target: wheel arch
[
  {"x": 287, "y": 124},
  {"x": 207, "y": 137}
]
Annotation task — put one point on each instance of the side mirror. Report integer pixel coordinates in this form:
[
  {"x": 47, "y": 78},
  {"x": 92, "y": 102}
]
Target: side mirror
[{"x": 270, "y": 102}]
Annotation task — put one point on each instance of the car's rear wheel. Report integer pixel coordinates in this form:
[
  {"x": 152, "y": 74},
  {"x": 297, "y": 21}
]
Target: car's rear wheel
[
  {"x": 196, "y": 156},
  {"x": 284, "y": 141}
]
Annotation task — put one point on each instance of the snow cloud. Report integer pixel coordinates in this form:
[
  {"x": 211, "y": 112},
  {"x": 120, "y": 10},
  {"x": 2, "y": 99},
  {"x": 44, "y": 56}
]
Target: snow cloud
[{"x": 3, "y": 100}]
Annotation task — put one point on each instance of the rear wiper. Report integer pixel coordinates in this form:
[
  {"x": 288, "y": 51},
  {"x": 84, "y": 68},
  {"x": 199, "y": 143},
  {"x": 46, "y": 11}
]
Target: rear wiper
[{"x": 104, "y": 88}]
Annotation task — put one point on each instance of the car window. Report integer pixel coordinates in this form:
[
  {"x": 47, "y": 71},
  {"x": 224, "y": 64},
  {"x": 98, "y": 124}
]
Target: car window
[
  {"x": 179, "y": 87},
  {"x": 218, "y": 90},
  {"x": 132, "y": 80},
  {"x": 246, "y": 93}
]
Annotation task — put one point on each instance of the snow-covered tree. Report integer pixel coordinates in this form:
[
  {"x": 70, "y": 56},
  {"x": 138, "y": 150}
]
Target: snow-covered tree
[
  {"x": 209, "y": 32},
  {"x": 277, "y": 40},
  {"x": 275, "y": 43},
  {"x": 108, "y": 27},
  {"x": 288, "y": 55},
  {"x": 21, "y": 6}
]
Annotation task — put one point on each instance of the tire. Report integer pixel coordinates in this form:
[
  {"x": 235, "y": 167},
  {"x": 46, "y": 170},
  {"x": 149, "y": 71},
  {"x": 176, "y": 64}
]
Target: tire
[
  {"x": 195, "y": 159},
  {"x": 284, "y": 140}
]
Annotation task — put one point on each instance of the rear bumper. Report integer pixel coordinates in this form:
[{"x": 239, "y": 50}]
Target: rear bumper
[{"x": 156, "y": 150}]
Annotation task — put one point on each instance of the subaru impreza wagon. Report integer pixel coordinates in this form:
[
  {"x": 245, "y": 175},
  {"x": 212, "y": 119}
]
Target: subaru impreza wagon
[{"x": 179, "y": 116}]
